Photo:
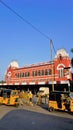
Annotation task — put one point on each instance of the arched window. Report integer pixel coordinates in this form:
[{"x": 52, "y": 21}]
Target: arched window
[
  {"x": 46, "y": 72},
  {"x": 23, "y": 75},
  {"x": 42, "y": 72},
  {"x": 27, "y": 74},
  {"x": 17, "y": 75},
  {"x": 39, "y": 72},
  {"x": 20, "y": 75},
  {"x": 61, "y": 72},
  {"x": 50, "y": 71},
  {"x": 34, "y": 73}
]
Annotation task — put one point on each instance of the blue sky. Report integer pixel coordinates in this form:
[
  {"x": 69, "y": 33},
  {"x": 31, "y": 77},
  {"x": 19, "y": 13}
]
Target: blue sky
[{"x": 19, "y": 41}]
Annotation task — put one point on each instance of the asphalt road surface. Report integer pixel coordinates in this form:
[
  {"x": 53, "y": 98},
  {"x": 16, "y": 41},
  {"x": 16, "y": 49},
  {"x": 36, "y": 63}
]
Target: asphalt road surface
[{"x": 21, "y": 119}]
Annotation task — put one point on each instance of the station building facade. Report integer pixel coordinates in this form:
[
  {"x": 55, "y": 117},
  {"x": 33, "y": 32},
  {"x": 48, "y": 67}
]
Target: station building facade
[{"x": 57, "y": 72}]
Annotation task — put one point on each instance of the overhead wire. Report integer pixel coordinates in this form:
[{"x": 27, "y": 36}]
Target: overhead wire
[{"x": 26, "y": 21}]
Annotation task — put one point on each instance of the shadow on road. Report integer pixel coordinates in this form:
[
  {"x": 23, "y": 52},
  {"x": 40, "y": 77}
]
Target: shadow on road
[{"x": 21, "y": 119}]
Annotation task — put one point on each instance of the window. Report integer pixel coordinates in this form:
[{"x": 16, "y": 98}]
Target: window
[
  {"x": 27, "y": 74},
  {"x": 45, "y": 72},
  {"x": 34, "y": 73},
  {"x": 61, "y": 72},
  {"x": 23, "y": 75},
  {"x": 42, "y": 72},
  {"x": 39, "y": 72},
  {"x": 48, "y": 72},
  {"x": 20, "y": 75},
  {"x": 17, "y": 75}
]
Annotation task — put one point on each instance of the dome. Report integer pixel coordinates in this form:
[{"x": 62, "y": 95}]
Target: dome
[
  {"x": 14, "y": 64},
  {"x": 61, "y": 52}
]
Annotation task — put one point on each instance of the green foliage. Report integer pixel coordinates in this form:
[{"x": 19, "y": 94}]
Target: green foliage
[
  {"x": 72, "y": 62},
  {"x": 2, "y": 81},
  {"x": 72, "y": 50}
]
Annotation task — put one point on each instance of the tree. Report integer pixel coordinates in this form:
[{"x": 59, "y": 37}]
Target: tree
[
  {"x": 72, "y": 58},
  {"x": 72, "y": 50},
  {"x": 2, "y": 81}
]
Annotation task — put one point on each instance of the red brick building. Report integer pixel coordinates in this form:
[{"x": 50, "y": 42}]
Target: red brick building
[{"x": 57, "y": 71}]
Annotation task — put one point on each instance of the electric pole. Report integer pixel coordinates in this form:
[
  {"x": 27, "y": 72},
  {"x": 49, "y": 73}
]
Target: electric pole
[{"x": 52, "y": 65}]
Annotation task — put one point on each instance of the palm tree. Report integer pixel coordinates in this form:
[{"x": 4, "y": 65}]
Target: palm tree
[{"x": 72, "y": 58}]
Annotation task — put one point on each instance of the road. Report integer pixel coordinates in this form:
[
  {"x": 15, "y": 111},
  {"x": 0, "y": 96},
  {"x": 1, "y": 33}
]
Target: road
[{"x": 33, "y": 118}]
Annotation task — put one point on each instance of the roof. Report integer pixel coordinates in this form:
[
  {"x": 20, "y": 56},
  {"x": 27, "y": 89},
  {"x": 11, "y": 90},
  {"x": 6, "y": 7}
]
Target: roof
[{"x": 59, "y": 92}]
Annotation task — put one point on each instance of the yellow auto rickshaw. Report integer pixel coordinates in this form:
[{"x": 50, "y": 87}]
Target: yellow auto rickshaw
[
  {"x": 60, "y": 100},
  {"x": 9, "y": 97}
]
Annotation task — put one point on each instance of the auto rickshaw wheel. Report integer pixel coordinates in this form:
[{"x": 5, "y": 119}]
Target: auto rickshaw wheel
[
  {"x": 51, "y": 109},
  {"x": 16, "y": 105}
]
